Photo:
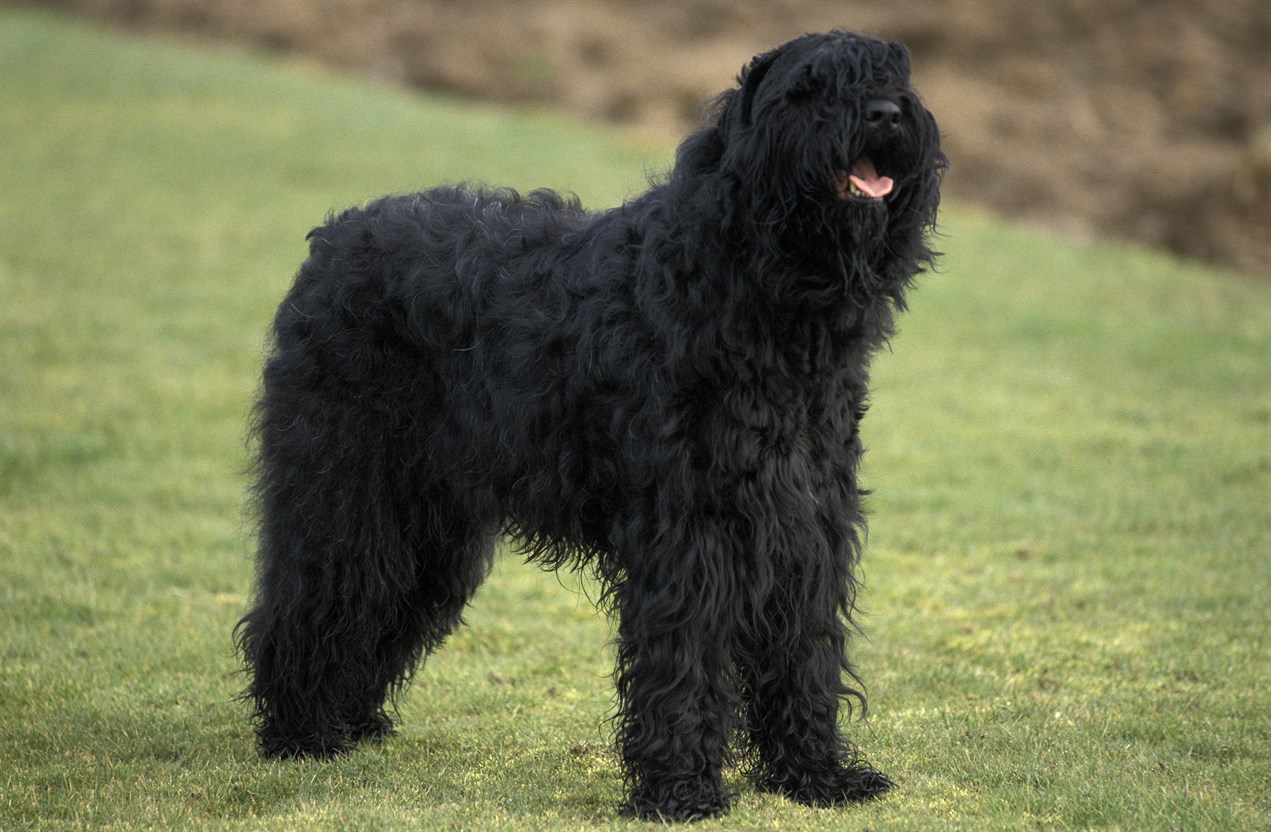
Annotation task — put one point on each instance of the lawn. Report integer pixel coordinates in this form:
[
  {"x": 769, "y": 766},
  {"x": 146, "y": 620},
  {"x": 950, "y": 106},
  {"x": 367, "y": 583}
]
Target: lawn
[{"x": 1068, "y": 569}]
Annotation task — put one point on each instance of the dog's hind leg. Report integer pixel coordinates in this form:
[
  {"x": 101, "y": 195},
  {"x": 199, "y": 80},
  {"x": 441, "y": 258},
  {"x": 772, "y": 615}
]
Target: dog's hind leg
[
  {"x": 331, "y": 561},
  {"x": 355, "y": 581},
  {"x": 450, "y": 557}
]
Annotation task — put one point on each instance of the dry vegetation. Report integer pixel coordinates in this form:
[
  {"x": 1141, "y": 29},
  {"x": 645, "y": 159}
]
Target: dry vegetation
[{"x": 1148, "y": 121}]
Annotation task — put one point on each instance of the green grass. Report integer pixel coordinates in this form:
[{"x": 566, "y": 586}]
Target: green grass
[{"x": 1070, "y": 555}]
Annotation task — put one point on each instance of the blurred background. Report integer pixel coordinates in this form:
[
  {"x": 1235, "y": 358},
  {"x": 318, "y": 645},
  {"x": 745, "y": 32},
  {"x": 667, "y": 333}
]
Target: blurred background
[{"x": 1143, "y": 120}]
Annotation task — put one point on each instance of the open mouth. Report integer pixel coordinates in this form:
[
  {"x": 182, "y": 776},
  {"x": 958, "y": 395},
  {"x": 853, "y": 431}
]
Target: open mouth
[{"x": 862, "y": 183}]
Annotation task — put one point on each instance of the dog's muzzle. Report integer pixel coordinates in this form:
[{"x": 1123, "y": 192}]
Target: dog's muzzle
[{"x": 862, "y": 182}]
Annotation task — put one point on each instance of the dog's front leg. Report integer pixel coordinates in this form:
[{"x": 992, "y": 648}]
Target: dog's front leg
[
  {"x": 675, "y": 693},
  {"x": 795, "y": 672}
]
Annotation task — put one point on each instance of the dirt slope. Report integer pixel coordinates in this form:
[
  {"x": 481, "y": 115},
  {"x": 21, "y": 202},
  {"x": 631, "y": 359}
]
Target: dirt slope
[{"x": 1145, "y": 120}]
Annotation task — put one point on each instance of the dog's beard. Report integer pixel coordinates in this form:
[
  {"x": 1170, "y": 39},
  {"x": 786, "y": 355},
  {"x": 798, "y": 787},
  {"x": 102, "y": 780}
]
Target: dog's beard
[{"x": 863, "y": 231}]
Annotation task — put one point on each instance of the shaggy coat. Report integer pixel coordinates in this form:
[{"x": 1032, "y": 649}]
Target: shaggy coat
[{"x": 668, "y": 394}]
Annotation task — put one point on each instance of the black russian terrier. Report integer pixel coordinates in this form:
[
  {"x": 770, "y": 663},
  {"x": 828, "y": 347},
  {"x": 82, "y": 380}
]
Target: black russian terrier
[{"x": 668, "y": 394}]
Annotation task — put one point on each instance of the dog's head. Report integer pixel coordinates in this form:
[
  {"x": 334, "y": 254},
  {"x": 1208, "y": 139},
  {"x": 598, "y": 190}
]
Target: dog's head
[{"x": 827, "y": 146}]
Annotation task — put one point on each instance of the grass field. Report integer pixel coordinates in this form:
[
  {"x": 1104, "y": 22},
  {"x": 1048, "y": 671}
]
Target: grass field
[{"x": 1070, "y": 559}]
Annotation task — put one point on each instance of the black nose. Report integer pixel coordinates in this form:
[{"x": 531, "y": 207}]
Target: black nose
[{"x": 882, "y": 114}]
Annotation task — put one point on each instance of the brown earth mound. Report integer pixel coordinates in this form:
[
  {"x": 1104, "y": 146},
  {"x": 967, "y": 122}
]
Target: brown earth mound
[{"x": 1145, "y": 120}]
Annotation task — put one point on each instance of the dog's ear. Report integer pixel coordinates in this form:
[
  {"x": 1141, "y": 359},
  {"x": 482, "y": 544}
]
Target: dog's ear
[
  {"x": 700, "y": 152},
  {"x": 803, "y": 85},
  {"x": 899, "y": 55},
  {"x": 751, "y": 77}
]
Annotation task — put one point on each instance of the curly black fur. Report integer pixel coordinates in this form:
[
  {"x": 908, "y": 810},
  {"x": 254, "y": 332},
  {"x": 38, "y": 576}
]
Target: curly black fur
[{"x": 667, "y": 393}]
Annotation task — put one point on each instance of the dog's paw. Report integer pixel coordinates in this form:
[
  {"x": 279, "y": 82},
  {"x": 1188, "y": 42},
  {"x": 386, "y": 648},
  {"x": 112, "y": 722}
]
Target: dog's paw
[
  {"x": 303, "y": 747},
  {"x": 843, "y": 783},
  {"x": 678, "y": 802},
  {"x": 375, "y": 728}
]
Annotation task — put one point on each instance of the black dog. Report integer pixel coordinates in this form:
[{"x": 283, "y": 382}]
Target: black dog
[{"x": 668, "y": 393}]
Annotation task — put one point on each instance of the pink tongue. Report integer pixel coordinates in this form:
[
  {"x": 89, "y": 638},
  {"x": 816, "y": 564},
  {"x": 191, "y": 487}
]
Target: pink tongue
[{"x": 867, "y": 179}]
